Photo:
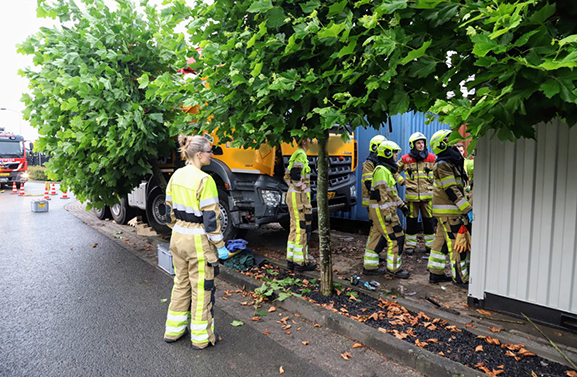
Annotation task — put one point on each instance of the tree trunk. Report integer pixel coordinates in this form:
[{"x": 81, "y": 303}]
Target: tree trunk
[
  {"x": 323, "y": 214},
  {"x": 158, "y": 175}
]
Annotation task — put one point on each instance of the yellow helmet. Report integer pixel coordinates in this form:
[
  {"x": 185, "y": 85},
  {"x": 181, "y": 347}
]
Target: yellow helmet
[
  {"x": 414, "y": 137},
  {"x": 440, "y": 141},
  {"x": 375, "y": 141},
  {"x": 387, "y": 148}
]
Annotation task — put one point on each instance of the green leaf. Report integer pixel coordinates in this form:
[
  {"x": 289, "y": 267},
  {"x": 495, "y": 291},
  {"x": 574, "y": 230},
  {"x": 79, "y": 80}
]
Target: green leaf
[
  {"x": 332, "y": 30},
  {"x": 259, "y": 6},
  {"x": 389, "y": 6},
  {"x": 283, "y": 296},
  {"x": 310, "y": 6},
  {"x": 163, "y": 300},
  {"x": 400, "y": 102},
  {"x": 237, "y": 323},
  {"x": 347, "y": 50},
  {"x": 569, "y": 39},
  {"x": 256, "y": 70},
  {"x": 276, "y": 17},
  {"x": 337, "y": 8},
  {"x": 261, "y": 313},
  {"x": 415, "y": 54},
  {"x": 550, "y": 88}
]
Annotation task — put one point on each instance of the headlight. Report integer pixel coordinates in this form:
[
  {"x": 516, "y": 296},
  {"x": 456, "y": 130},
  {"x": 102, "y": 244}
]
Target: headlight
[
  {"x": 25, "y": 175},
  {"x": 353, "y": 191},
  {"x": 270, "y": 197}
]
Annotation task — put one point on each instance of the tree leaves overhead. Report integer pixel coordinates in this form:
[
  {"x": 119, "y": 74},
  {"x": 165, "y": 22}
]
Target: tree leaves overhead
[{"x": 92, "y": 114}]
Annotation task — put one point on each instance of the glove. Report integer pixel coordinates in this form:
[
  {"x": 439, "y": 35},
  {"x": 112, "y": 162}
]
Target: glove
[
  {"x": 222, "y": 252},
  {"x": 470, "y": 216},
  {"x": 405, "y": 210}
]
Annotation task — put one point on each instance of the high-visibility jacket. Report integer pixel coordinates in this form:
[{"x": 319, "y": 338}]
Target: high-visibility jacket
[
  {"x": 366, "y": 181},
  {"x": 298, "y": 174},
  {"x": 384, "y": 196},
  {"x": 418, "y": 177},
  {"x": 449, "y": 198},
  {"x": 192, "y": 198}
]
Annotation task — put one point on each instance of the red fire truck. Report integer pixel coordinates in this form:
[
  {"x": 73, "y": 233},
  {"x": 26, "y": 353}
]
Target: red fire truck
[{"x": 13, "y": 164}]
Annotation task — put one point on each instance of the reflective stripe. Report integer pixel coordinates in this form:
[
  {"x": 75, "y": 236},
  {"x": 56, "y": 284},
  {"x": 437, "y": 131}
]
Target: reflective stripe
[
  {"x": 380, "y": 183},
  {"x": 168, "y": 198},
  {"x": 175, "y": 330},
  {"x": 297, "y": 184},
  {"x": 462, "y": 204},
  {"x": 183, "y": 208},
  {"x": 206, "y": 202},
  {"x": 182, "y": 230},
  {"x": 200, "y": 326},
  {"x": 178, "y": 318},
  {"x": 199, "y": 338},
  {"x": 215, "y": 238},
  {"x": 388, "y": 205}
]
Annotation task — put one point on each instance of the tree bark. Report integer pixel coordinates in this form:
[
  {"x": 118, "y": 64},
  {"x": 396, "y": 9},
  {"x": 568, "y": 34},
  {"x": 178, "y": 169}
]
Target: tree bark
[{"x": 326, "y": 264}]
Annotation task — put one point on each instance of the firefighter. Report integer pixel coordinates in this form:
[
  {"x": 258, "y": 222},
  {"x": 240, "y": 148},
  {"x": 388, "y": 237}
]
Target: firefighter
[
  {"x": 196, "y": 245},
  {"x": 383, "y": 204},
  {"x": 451, "y": 208},
  {"x": 418, "y": 168},
  {"x": 367, "y": 180},
  {"x": 298, "y": 200}
]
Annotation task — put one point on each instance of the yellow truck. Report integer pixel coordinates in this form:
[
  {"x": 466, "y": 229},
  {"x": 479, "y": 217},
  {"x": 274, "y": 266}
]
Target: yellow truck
[{"x": 250, "y": 185}]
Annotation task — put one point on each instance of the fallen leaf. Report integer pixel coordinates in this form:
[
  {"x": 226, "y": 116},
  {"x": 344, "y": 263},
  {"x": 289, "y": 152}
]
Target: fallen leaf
[
  {"x": 305, "y": 342},
  {"x": 266, "y": 332},
  {"x": 494, "y": 329},
  {"x": 479, "y": 349},
  {"x": 469, "y": 325},
  {"x": 509, "y": 353},
  {"x": 442, "y": 353},
  {"x": 571, "y": 373},
  {"x": 484, "y": 312},
  {"x": 558, "y": 333},
  {"x": 281, "y": 370},
  {"x": 496, "y": 372},
  {"x": 433, "y": 340},
  {"x": 317, "y": 325},
  {"x": 492, "y": 341},
  {"x": 287, "y": 332},
  {"x": 299, "y": 329},
  {"x": 255, "y": 319},
  {"x": 357, "y": 345},
  {"x": 421, "y": 344},
  {"x": 297, "y": 315},
  {"x": 272, "y": 309},
  {"x": 96, "y": 244},
  {"x": 346, "y": 355},
  {"x": 237, "y": 323},
  {"x": 163, "y": 300},
  {"x": 533, "y": 374},
  {"x": 525, "y": 352}
]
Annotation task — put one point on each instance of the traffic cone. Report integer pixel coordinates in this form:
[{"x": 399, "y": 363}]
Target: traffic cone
[
  {"x": 64, "y": 195},
  {"x": 14, "y": 189},
  {"x": 53, "y": 192},
  {"x": 21, "y": 188},
  {"x": 46, "y": 189}
]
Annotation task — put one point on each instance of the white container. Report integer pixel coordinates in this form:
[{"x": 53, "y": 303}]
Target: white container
[
  {"x": 165, "y": 258},
  {"x": 39, "y": 205}
]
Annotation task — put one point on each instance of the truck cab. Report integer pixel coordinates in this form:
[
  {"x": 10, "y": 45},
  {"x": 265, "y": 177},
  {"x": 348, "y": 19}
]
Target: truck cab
[{"x": 13, "y": 164}]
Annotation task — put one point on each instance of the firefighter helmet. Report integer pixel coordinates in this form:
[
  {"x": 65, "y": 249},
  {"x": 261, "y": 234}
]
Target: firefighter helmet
[
  {"x": 440, "y": 141},
  {"x": 416, "y": 136},
  {"x": 387, "y": 148},
  {"x": 375, "y": 141}
]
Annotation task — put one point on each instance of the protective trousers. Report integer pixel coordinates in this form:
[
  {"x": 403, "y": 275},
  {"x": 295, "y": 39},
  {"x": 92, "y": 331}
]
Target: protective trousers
[
  {"x": 195, "y": 267},
  {"x": 301, "y": 216},
  {"x": 447, "y": 228},
  {"x": 414, "y": 227},
  {"x": 391, "y": 235}
]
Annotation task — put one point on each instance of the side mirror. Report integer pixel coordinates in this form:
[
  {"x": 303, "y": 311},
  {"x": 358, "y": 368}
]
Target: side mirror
[
  {"x": 31, "y": 146},
  {"x": 217, "y": 151}
]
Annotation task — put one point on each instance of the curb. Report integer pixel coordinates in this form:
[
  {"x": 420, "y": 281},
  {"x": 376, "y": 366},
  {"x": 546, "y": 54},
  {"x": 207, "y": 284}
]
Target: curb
[{"x": 402, "y": 352}]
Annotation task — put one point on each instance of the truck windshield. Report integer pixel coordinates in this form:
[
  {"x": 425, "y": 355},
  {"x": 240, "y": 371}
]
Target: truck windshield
[{"x": 11, "y": 148}]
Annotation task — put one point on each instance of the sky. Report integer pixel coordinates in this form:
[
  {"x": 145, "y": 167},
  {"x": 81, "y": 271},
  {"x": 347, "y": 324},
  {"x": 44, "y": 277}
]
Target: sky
[{"x": 17, "y": 21}]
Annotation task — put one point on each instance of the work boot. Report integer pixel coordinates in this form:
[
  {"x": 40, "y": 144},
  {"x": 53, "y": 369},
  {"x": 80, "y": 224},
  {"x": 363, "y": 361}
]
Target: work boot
[
  {"x": 409, "y": 251},
  {"x": 434, "y": 278},
  {"x": 311, "y": 266},
  {"x": 401, "y": 274},
  {"x": 290, "y": 265},
  {"x": 376, "y": 271},
  {"x": 461, "y": 285},
  {"x": 209, "y": 343},
  {"x": 168, "y": 340}
]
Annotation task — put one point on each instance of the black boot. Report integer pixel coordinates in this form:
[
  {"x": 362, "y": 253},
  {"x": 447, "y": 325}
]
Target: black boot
[
  {"x": 290, "y": 265},
  {"x": 401, "y": 274},
  {"x": 377, "y": 271},
  {"x": 311, "y": 266}
]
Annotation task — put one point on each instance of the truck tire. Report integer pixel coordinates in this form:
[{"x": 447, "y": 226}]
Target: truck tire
[
  {"x": 103, "y": 213},
  {"x": 121, "y": 212},
  {"x": 156, "y": 211},
  {"x": 229, "y": 231}
]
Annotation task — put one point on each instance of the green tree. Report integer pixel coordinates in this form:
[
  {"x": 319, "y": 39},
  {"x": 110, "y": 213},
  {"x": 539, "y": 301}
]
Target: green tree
[
  {"x": 283, "y": 69},
  {"x": 92, "y": 114}
]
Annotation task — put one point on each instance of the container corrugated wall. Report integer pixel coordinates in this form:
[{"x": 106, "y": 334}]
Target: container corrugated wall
[
  {"x": 403, "y": 126},
  {"x": 524, "y": 231}
]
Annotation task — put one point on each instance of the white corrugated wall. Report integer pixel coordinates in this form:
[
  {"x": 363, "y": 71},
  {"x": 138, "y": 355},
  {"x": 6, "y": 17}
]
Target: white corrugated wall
[{"x": 525, "y": 206}]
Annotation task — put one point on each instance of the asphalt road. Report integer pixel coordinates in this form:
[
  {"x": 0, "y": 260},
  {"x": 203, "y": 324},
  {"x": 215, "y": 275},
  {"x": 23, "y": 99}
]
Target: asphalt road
[{"x": 74, "y": 302}]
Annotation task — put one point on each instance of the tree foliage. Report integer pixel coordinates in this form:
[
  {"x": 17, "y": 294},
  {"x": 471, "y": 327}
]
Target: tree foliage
[{"x": 92, "y": 113}]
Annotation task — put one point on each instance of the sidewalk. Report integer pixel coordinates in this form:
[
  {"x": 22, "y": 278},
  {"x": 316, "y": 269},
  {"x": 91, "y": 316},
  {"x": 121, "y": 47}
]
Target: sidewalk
[{"x": 512, "y": 330}]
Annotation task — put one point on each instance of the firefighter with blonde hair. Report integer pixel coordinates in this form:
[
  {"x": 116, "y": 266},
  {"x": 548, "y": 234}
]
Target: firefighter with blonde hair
[{"x": 196, "y": 245}]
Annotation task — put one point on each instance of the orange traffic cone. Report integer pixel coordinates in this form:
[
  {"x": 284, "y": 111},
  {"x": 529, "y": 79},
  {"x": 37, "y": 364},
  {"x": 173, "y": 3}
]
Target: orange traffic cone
[
  {"x": 53, "y": 192},
  {"x": 14, "y": 189},
  {"x": 46, "y": 189},
  {"x": 64, "y": 195},
  {"x": 22, "y": 189}
]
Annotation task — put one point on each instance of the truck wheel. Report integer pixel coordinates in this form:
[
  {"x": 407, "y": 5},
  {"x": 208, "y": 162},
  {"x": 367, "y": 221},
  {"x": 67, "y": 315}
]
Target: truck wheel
[
  {"x": 121, "y": 212},
  {"x": 156, "y": 211},
  {"x": 229, "y": 231},
  {"x": 103, "y": 213}
]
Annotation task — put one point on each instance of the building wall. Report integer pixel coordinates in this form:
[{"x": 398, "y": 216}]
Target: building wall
[
  {"x": 402, "y": 126},
  {"x": 525, "y": 219}
]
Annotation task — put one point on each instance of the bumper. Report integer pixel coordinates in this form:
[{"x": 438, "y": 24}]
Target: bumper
[{"x": 13, "y": 176}]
